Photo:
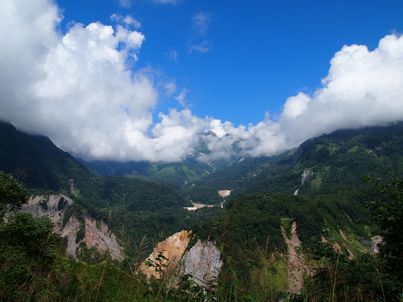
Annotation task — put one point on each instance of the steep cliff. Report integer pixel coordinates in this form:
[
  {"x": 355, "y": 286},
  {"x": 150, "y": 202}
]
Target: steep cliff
[
  {"x": 203, "y": 263},
  {"x": 96, "y": 234},
  {"x": 169, "y": 259},
  {"x": 165, "y": 257}
]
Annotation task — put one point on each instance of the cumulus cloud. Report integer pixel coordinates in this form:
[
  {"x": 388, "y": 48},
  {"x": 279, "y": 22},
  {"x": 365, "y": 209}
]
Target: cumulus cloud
[
  {"x": 362, "y": 88},
  {"x": 82, "y": 89},
  {"x": 75, "y": 88}
]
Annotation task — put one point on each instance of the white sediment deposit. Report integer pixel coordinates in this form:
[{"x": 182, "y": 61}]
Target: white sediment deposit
[
  {"x": 224, "y": 193},
  {"x": 306, "y": 175},
  {"x": 198, "y": 206}
]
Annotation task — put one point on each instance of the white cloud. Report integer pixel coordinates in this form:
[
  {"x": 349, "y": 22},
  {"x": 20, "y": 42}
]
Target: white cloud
[
  {"x": 362, "y": 88},
  {"x": 127, "y": 20},
  {"x": 81, "y": 89},
  {"x": 181, "y": 97},
  {"x": 125, "y": 3},
  {"x": 202, "y": 47},
  {"x": 75, "y": 88},
  {"x": 170, "y": 88},
  {"x": 201, "y": 22},
  {"x": 295, "y": 106}
]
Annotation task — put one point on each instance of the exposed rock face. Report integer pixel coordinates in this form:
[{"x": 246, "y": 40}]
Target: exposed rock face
[
  {"x": 102, "y": 239},
  {"x": 376, "y": 241},
  {"x": 70, "y": 231},
  {"x": 296, "y": 265},
  {"x": 224, "y": 193},
  {"x": 53, "y": 206},
  {"x": 97, "y": 235},
  {"x": 203, "y": 263},
  {"x": 169, "y": 260},
  {"x": 197, "y": 206},
  {"x": 305, "y": 176},
  {"x": 337, "y": 248},
  {"x": 171, "y": 250}
]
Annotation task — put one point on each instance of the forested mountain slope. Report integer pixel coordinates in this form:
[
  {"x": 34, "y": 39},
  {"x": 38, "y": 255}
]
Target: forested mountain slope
[
  {"x": 39, "y": 164},
  {"x": 134, "y": 208},
  {"x": 313, "y": 205},
  {"x": 288, "y": 216},
  {"x": 36, "y": 161},
  {"x": 331, "y": 162},
  {"x": 176, "y": 174}
]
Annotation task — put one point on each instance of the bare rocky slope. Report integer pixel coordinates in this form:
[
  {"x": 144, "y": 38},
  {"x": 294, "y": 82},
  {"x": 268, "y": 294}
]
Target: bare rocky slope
[
  {"x": 174, "y": 258},
  {"x": 297, "y": 267},
  {"x": 76, "y": 230}
]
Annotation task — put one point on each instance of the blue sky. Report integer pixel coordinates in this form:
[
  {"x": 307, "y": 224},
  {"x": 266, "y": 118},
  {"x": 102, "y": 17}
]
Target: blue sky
[
  {"x": 260, "y": 52},
  {"x": 226, "y": 64}
]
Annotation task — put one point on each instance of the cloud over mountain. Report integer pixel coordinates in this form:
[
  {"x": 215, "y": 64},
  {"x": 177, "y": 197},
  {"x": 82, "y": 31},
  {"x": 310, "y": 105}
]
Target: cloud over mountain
[
  {"x": 82, "y": 89},
  {"x": 362, "y": 88}
]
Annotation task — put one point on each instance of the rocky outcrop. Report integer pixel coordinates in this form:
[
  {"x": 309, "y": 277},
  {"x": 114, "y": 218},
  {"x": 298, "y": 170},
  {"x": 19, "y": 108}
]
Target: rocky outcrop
[
  {"x": 165, "y": 257},
  {"x": 98, "y": 236},
  {"x": 224, "y": 193},
  {"x": 197, "y": 206},
  {"x": 96, "y": 233},
  {"x": 53, "y": 206},
  {"x": 296, "y": 264},
  {"x": 202, "y": 262},
  {"x": 69, "y": 232},
  {"x": 376, "y": 242},
  {"x": 305, "y": 176}
]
